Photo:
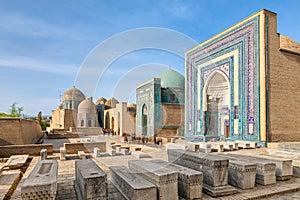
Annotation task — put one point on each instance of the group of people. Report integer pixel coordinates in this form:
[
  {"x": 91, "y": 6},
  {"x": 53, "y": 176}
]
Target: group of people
[{"x": 141, "y": 139}]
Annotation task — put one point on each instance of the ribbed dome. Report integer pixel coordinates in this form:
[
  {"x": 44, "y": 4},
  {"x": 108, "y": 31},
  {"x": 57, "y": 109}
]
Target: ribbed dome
[
  {"x": 73, "y": 94},
  {"x": 101, "y": 99},
  {"x": 171, "y": 78},
  {"x": 112, "y": 102},
  {"x": 87, "y": 106}
]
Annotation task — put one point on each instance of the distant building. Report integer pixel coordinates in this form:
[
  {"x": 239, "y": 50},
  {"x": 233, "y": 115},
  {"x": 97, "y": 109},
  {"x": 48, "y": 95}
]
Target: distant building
[
  {"x": 119, "y": 117},
  {"x": 87, "y": 114},
  {"x": 160, "y": 105},
  {"x": 243, "y": 84},
  {"x": 65, "y": 116},
  {"x": 100, "y": 107}
]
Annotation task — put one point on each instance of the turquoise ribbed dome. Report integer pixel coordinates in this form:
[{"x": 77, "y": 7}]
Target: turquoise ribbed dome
[{"x": 171, "y": 78}]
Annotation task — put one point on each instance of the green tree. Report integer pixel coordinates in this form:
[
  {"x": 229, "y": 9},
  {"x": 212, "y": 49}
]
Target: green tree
[
  {"x": 16, "y": 111},
  {"x": 39, "y": 117}
]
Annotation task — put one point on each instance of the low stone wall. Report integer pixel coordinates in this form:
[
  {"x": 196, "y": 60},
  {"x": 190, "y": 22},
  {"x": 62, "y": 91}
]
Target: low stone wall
[
  {"x": 73, "y": 148},
  {"x": 89, "y": 130},
  {"x": 31, "y": 149}
]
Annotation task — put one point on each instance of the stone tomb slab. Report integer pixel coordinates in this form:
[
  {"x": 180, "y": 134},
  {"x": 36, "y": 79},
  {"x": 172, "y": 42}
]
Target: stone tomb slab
[
  {"x": 16, "y": 161},
  {"x": 213, "y": 167},
  {"x": 166, "y": 180},
  {"x": 41, "y": 182},
  {"x": 139, "y": 154},
  {"x": 265, "y": 171},
  {"x": 90, "y": 180},
  {"x": 296, "y": 168},
  {"x": 8, "y": 183},
  {"x": 241, "y": 173},
  {"x": 284, "y": 168},
  {"x": 131, "y": 185},
  {"x": 247, "y": 144},
  {"x": 217, "y": 147},
  {"x": 189, "y": 180}
]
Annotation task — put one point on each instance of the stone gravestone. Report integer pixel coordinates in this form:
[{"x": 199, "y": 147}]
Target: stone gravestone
[
  {"x": 284, "y": 168},
  {"x": 62, "y": 151},
  {"x": 96, "y": 152},
  {"x": 241, "y": 173},
  {"x": 43, "y": 154},
  {"x": 296, "y": 168},
  {"x": 131, "y": 185},
  {"x": 189, "y": 180},
  {"x": 90, "y": 180},
  {"x": 213, "y": 167},
  {"x": 165, "y": 179},
  {"x": 42, "y": 181},
  {"x": 82, "y": 155},
  {"x": 265, "y": 171},
  {"x": 15, "y": 162}
]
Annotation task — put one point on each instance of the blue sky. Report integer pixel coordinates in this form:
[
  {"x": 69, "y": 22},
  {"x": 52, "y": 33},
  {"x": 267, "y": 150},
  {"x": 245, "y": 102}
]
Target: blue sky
[{"x": 43, "y": 44}]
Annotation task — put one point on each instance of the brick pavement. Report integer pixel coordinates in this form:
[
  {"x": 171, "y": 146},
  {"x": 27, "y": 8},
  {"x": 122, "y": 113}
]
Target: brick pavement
[{"x": 66, "y": 177}]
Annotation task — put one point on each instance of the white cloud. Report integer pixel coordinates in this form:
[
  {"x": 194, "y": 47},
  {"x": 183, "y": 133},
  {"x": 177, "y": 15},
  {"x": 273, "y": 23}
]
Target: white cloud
[{"x": 27, "y": 63}]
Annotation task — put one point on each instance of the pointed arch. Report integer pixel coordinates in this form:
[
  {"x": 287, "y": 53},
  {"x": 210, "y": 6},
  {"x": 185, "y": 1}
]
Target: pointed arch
[
  {"x": 216, "y": 103},
  {"x": 144, "y": 120}
]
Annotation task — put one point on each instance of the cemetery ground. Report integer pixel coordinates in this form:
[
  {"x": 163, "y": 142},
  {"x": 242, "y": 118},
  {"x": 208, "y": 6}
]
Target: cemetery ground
[{"x": 287, "y": 189}]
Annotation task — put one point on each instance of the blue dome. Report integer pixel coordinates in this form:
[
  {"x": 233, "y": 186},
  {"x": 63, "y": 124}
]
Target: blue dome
[{"x": 171, "y": 78}]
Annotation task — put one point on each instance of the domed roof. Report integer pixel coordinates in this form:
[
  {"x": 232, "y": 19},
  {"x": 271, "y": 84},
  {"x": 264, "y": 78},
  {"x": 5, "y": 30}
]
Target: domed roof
[
  {"x": 73, "y": 94},
  {"x": 112, "y": 102},
  {"x": 101, "y": 99},
  {"x": 87, "y": 106},
  {"x": 171, "y": 78}
]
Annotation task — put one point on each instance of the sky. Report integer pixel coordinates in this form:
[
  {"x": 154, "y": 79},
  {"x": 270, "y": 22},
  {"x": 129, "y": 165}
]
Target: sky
[{"x": 46, "y": 45}]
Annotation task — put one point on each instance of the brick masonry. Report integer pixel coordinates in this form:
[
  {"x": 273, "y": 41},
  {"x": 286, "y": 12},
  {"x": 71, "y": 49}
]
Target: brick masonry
[{"x": 14, "y": 131}]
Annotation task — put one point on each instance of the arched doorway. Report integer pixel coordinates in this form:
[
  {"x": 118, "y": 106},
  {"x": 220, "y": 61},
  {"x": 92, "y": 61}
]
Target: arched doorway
[
  {"x": 107, "y": 124},
  {"x": 112, "y": 123},
  {"x": 216, "y": 100},
  {"x": 144, "y": 119}
]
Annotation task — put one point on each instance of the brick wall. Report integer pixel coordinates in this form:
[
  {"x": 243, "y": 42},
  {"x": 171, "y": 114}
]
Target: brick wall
[
  {"x": 173, "y": 116},
  {"x": 284, "y": 92},
  {"x": 31, "y": 149},
  {"x": 73, "y": 148},
  {"x": 16, "y": 131}
]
